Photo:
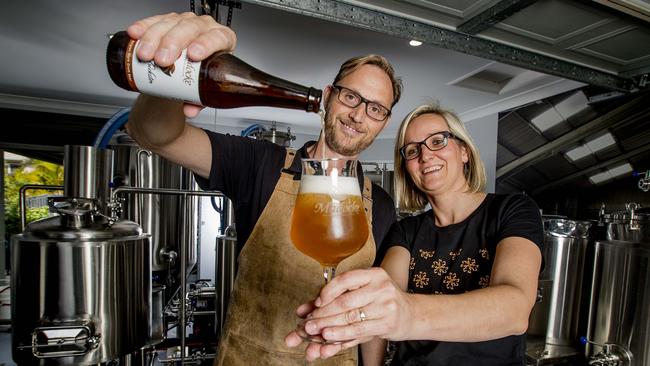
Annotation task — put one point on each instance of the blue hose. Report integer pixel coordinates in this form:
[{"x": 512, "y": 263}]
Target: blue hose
[
  {"x": 252, "y": 128},
  {"x": 114, "y": 123}
]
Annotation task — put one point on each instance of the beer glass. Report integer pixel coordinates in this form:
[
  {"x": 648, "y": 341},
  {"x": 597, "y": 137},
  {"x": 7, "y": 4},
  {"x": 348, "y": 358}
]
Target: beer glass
[{"x": 328, "y": 222}]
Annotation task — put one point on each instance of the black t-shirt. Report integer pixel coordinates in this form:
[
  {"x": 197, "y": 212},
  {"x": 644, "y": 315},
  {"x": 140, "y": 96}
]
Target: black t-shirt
[
  {"x": 247, "y": 170},
  {"x": 458, "y": 258}
]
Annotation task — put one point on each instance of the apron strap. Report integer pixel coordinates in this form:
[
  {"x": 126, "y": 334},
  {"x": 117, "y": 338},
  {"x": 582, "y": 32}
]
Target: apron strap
[{"x": 288, "y": 160}]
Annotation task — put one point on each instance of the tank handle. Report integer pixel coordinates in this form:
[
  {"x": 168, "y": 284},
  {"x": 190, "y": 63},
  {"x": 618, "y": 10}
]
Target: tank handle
[{"x": 62, "y": 341}]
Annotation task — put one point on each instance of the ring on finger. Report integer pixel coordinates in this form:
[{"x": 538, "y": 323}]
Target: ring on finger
[{"x": 362, "y": 315}]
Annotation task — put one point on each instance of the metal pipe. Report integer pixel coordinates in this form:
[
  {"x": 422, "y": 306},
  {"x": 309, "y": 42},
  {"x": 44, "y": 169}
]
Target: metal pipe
[
  {"x": 183, "y": 285},
  {"x": 204, "y": 312},
  {"x": 21, "y": 201},
  {"x": 184, "y": 194}
]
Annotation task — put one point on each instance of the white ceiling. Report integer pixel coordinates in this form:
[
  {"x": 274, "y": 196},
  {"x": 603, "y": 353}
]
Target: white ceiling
[{"x": 53, "y": 61}]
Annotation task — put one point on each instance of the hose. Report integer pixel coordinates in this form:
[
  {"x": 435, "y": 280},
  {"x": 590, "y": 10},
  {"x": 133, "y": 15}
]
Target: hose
[
  {"x": 114, "y": 123},
  {"x": 252, "y": 128}
]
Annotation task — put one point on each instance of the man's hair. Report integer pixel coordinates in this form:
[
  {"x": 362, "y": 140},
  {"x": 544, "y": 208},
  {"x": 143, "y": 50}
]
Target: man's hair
[
  {"x": 354, "y": 63},
  {"x": 408, "y": 195}
]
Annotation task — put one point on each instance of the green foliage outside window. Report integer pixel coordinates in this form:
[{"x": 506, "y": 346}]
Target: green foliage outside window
[{"x": 32, "y": 172}]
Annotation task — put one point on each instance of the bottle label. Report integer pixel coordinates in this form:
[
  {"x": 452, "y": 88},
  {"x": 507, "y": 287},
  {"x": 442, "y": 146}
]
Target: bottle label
[{"x": 177, "y": 81}]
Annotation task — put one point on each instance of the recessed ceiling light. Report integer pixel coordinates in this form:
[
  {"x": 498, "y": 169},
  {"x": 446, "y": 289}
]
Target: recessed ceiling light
[{"x": 415, "y": 43}]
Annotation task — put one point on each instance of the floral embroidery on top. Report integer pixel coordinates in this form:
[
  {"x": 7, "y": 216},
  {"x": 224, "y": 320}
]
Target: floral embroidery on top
[
  {"x": 421, "y": 279},
  {"x": 484, "y": 281},
  {"x": 426, "y": 254},
  {"x": 451, "y": 281},
  {"x": 412, "y": 263},
  {"x": 469, "y": 265},
  {"x": 455, "y": 254},
  {"x": 484, "y": 253},
  {"x": 439, "y": 267}
]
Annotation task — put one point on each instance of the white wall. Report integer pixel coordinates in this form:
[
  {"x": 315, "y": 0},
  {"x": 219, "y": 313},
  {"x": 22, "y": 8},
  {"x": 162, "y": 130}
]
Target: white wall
[{"x": 484, "y": 132}]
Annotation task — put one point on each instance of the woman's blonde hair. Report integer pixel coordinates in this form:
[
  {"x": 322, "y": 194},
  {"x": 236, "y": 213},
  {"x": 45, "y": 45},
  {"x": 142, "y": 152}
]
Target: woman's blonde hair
[{"x": 407, "y": 194}]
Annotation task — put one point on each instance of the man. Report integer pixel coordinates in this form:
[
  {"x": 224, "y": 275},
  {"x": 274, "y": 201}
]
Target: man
[{"x": 262, "y": 180}]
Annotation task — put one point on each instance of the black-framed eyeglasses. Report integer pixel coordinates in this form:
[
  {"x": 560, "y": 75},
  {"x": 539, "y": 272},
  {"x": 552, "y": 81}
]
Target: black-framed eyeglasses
[
  {"x": 352, "y": 99},
  {"x": 435, "y": 141}
]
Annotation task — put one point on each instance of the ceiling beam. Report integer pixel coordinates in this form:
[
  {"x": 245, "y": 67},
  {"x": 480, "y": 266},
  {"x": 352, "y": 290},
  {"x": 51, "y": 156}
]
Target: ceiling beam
[
  {"x": 402, "y": 27},
  {"x": 493, "y": 15},
  {"x": 630, "y": 111},
  {"x": 592, "y": 169}
]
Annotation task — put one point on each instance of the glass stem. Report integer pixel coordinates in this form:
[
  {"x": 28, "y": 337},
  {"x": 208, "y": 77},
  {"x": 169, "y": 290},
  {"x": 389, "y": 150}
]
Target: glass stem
[{"x": 328, "y": 273}]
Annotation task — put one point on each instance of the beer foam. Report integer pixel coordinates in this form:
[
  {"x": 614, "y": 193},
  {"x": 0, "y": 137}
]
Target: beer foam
[{"x": 330, "y": 185}]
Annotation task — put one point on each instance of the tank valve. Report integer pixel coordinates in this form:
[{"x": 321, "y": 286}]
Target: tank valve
[
  {"x": 168, "y": 256},
  {"x": 611, "y": 354}
]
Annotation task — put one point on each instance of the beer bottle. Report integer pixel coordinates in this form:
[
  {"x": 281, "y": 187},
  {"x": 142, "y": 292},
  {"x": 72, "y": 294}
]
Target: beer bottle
[{"x": 220, "y": 81}]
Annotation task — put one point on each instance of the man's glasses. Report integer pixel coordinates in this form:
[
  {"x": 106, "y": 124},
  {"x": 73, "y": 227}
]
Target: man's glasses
[
  {"x": 434, "y": 142},
  {"x": 352, "y": 99}
]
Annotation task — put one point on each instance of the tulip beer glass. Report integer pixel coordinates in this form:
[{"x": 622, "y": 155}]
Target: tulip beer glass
[{"x": 328, "y": 222}]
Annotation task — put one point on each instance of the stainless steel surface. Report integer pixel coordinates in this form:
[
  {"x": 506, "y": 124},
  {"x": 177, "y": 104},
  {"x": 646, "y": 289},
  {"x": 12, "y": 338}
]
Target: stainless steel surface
[
  {"x": 80, "y": 296},
  {"x": 21, "y": 199},
  {"x": 538, "y": 353},
  {"x": 226, "y": 265},
  {"x": 157, "y": 315},
  {"x": 620, "y": 299},
  {"x": 628, "y": 226},
  {"x": 556, "y": 315},
  {"x": 225, "y": 277},
  {"x": 161, "y": 216},
  {"x": 183, "y": 196},
  {"x": 88, "y": 172}
]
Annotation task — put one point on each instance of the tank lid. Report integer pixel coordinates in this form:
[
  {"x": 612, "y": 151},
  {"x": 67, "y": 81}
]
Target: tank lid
[
  {"x": 566, "y": 228},
  {"x": 98, "y": 230},
  {"x": 625, "y": 216}
]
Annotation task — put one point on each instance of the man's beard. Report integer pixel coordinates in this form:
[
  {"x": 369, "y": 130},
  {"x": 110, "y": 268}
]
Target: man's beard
[{"x": 336, "y": 146}]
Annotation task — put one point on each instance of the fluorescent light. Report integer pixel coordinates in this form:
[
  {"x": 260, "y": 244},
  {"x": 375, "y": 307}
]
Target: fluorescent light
[
  {"x": 591, "y": 147},
  {"x": 611, "y": 173},
  {"x": 546, "y": 120},
  {"x": 415, "y": 43},
  {"x": 601, "y": 142},
  {"x": 578, "y": 153},
  {"x": 572, "y": 105},
  {"x": 621, "y": 169},
  {"x": 600, "y": 177}
]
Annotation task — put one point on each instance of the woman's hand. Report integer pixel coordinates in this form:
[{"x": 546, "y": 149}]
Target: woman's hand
[{"x": 352, "y": 309}]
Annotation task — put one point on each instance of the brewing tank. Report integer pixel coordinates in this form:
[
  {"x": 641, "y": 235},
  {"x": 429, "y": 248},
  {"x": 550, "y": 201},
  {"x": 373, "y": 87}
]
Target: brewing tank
[
  {"x": 170, "y": 222},
  {"x": 619, "y": 320},
  {"x": 81, "y": 288},
  {"x": 557, "y": 320}
]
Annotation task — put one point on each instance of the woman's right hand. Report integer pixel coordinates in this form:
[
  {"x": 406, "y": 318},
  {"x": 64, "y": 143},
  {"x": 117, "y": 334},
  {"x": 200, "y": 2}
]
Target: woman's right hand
[
  {"x": 359, "y": 305},
  {"x": 163, "y": 38}
]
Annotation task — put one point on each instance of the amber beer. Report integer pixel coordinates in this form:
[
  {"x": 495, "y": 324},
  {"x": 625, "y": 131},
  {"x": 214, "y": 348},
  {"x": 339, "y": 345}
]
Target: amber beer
[{"x": 329, "y": 222}]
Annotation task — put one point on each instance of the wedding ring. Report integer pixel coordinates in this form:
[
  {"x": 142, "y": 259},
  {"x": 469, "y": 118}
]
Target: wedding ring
[{"x": 362, "y": 315}]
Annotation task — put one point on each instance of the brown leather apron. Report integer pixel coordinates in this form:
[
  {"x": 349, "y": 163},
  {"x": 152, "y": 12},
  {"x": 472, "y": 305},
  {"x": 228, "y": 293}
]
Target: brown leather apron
[{"x": 273, "y": 278}]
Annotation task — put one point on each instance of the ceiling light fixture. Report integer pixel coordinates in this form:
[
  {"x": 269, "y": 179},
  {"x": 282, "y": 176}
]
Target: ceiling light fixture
[
  {"x": 591, "y": 147},
  {"x": 611, "y": 173},
  {"x": 415, "y": 43}
]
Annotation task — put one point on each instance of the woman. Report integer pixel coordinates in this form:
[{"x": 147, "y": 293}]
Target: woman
[{"x": 458, "y": 281}]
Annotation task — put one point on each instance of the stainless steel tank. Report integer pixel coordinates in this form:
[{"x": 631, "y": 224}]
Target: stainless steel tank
[
  {"x": 556, "y": 318},
  {"x": 159, "y": 215},
  {"x": 619, "y": 316},
  {"x": 81, "y": 288}
]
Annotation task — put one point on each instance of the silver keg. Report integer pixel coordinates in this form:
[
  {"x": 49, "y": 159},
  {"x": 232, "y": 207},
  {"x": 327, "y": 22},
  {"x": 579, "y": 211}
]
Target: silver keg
[
  {"x": 619, "y": 320},
  {"x": 557, "y": 315},
  {"x": 81, "y": 287}
]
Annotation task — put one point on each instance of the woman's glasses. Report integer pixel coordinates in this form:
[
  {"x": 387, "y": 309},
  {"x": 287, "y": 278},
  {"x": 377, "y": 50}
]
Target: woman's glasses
[{"x": 434, "y": 142}]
